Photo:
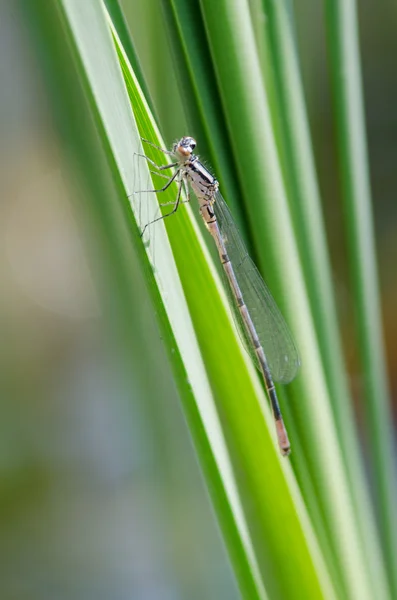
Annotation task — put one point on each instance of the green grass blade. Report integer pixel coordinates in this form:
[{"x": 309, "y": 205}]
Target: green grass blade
[
  {"x": 231, "y": 379},
  {"x": 245, "y": 104},
  {"x": 109, "y": 216},
  {"x": 343, "y": 44},
  {"x": 118, "y": 18},
  {"x": 147, "y": 25},
  {"x": 246, "y": 432},
  {"x": 305, "y": 205},
  {"x": 102, "y": 75},
  {"x": 190, "y": 49}
]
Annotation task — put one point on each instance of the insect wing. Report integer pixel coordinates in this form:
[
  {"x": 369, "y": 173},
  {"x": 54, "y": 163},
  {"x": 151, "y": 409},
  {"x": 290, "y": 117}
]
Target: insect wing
[{"x": 276, "y": 340}]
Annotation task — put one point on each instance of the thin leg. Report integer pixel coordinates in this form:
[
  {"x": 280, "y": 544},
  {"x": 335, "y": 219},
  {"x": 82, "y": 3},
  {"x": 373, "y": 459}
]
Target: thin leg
[
  {"x": 171, "y": 179},
  {"x": 172, "y": 202},
  {"x": 157, "y": 147},
  {"x": 187, "y": 190},
  {"x": 158, "y": 167},
  {"x": 160, "y": 174},
  {"x": 173, "y": 211}
]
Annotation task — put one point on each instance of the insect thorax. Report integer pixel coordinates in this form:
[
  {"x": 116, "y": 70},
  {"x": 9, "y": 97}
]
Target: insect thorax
[{"x": 203, "y": 183}]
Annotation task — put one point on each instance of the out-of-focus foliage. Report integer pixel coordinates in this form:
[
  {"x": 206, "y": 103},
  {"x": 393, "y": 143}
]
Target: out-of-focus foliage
[{"x": 137, "y": 455}]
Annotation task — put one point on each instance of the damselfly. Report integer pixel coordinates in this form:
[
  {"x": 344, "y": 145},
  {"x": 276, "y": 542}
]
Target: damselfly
[{"x": 261, "y": 324}]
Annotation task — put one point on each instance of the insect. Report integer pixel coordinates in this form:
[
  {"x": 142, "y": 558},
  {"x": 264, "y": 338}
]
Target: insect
[{"x": 263, "y": 329}]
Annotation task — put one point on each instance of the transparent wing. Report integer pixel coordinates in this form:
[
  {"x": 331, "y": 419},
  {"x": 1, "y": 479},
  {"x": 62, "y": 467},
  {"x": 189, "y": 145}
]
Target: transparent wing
[{"x": 274, "y": 335}]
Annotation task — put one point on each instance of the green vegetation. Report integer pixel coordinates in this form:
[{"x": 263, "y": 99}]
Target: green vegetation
[{"x": 304, "y": 527}]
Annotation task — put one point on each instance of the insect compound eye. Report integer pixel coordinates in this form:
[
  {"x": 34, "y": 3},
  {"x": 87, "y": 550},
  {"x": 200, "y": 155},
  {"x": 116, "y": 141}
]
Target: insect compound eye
[
  {"x": 188, "y": 142},
  {"x": 186, "y": 146}
]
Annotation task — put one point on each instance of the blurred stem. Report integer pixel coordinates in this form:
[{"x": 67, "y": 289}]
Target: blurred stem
[
  {"x": 305, "y": 205},
  {"x": 346, "y": 74}
]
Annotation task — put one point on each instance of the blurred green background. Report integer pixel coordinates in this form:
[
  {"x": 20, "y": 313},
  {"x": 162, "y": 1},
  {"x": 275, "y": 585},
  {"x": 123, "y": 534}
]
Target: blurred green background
[
  {"x": 101, "y": 495},
  {"x": 377, "y": 45}
]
